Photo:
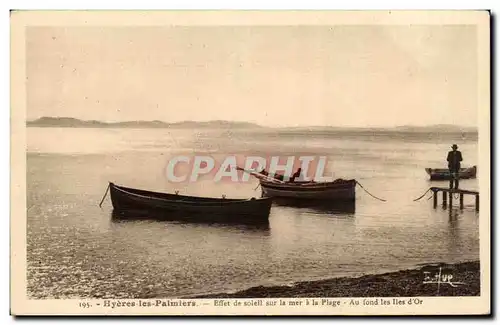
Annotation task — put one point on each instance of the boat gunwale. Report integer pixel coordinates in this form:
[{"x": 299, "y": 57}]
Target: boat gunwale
[
  {"x": 471, "y": 168},
  {"x": 346, "y": 185}
]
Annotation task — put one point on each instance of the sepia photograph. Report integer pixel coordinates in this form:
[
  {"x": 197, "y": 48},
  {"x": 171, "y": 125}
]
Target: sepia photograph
[{"x": 250, "y": 162}]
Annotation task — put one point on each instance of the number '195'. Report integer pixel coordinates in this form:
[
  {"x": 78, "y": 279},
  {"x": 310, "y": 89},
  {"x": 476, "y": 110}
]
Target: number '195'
[{"x": 84, "y": 304}]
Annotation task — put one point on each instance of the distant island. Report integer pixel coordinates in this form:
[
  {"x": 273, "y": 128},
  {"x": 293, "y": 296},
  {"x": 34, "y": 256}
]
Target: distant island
[{"x": 77, "y": 123}]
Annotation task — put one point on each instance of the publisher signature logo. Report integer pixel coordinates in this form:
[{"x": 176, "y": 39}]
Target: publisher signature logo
[{"x": 440, "y": 278}]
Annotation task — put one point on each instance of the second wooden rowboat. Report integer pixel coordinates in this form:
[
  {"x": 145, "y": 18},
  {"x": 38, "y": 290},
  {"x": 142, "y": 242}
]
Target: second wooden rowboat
[{"x": 340, "y": 190}]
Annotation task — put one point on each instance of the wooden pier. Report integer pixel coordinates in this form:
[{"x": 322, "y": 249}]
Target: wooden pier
[{"x": 448, "y": 194}]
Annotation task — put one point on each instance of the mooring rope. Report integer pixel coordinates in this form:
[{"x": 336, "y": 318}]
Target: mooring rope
[
  {"x": 370, "y": 193},
  {"x": 422, "y": 195},
  {"x": 256, "y": 187},
  {"x": 107, "y": 189}
]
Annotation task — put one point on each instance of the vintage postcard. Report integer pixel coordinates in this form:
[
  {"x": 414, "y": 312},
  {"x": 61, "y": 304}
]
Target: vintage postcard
[{"x": 250, "y": 162}]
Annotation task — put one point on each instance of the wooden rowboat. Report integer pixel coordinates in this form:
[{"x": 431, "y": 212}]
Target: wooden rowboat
[
  {"x": 340, "y": 189},
  {"x": 136, "y": 203},
  {"x": 444, "y": 173}
]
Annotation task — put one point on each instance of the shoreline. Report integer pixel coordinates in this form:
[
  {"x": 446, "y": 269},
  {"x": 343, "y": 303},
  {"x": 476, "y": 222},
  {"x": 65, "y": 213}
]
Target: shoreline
[{"x": 458, "y": 279}]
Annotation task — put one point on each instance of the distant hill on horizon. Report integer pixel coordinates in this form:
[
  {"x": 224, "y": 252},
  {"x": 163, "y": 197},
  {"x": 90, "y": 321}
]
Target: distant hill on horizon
[
  {"x": 74, "y": 122},
  {"x": 77, "y": 123}
]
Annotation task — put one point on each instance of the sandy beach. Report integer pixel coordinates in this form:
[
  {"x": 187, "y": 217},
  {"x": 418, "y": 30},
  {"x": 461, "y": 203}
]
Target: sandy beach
[{"x": 461, "y": 279}]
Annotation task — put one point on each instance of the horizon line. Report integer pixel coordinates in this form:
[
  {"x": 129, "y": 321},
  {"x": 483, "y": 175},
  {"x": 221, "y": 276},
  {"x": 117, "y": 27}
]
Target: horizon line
[{"x": 254, "y": 123}]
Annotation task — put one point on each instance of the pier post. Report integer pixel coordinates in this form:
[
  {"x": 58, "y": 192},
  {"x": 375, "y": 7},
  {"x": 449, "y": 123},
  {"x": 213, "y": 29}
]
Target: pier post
[{"x": 450, "y": 192}]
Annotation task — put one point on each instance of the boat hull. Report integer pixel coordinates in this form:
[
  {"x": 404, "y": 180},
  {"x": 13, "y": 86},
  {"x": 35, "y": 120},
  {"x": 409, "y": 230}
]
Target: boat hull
[
  {"x": 339, "y": 191},
  {"x": 330, "y": 207},
  {"x": 135, "y": 203},
  {"x": 441, "y": 174}
]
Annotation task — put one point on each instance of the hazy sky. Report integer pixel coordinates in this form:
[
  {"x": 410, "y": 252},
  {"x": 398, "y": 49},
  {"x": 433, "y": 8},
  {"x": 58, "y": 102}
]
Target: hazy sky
[{"x": 276, "y": 76}]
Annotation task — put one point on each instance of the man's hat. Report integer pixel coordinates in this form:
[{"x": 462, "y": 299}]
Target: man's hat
[{"x": 454, "y": 146}]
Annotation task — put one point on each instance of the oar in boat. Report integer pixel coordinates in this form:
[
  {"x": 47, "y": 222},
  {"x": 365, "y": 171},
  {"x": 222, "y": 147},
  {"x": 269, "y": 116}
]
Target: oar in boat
[{"x": 260, "y": 175}]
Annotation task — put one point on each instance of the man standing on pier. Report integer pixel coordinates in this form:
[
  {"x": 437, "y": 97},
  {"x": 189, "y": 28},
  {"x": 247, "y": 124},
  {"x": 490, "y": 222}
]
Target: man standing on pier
[{"x": 454, "y": 159}]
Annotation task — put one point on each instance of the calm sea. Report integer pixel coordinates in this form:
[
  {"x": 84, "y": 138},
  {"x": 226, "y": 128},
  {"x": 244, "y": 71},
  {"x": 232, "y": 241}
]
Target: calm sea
[{"x": 76, "y": 249}]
